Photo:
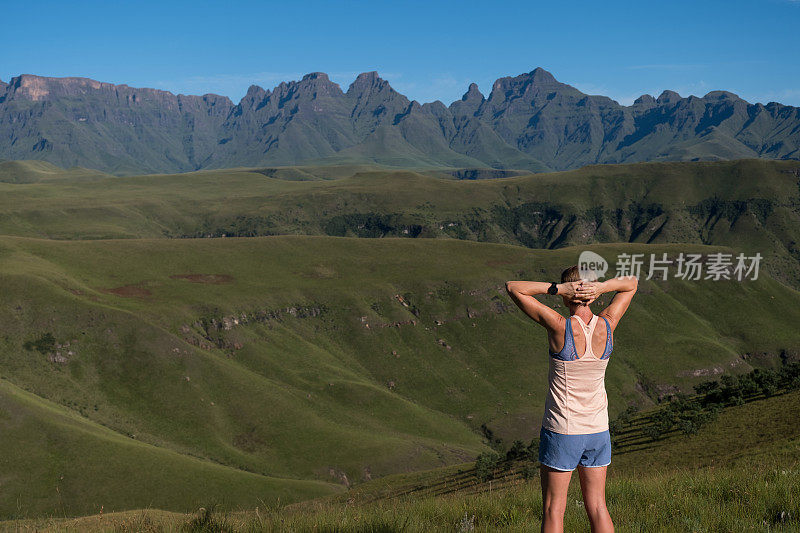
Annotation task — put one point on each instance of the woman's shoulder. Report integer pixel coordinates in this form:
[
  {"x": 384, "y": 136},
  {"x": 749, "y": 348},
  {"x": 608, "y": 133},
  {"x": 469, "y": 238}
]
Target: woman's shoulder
[{"x": 559, "y": 322}]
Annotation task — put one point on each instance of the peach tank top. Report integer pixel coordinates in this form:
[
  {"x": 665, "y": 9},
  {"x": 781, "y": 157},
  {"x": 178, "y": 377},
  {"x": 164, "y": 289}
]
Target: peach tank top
[{"x": 577, "y": 402}]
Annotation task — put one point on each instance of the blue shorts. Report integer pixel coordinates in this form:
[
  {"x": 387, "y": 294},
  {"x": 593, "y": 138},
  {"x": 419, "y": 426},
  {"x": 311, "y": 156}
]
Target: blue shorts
[{"x": 566, "y": 452}]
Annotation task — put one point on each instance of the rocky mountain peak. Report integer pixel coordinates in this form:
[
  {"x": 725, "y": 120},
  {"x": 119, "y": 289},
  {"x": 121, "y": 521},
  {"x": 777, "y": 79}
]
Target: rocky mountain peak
[
  {"x": 310, "y": 86},
  {"x": 527, "y": 86},
  {"x": 473, "y": 94},
  {"x": 367, "y": 77},
  {"x": 316, "y": 76},
  {"x": 668, "y": 97},
  {"x": 41, "y": 88},
  {"x": 254, "y": 91},
  {"x": 32, "y": 87},
  {"x": 721, "y": 95},
  {"x": 470, "y": 102},
  {"x": 254, "y": 96},
  {"x": 368, "y": 82},
  {"x": 318, "y": 84},
  {"x": 541, "y": 76},
  {"x": 645, "y": 99}
]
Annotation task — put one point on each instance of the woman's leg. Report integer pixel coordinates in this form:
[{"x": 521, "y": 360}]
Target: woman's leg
[
  {"x": 554, "y": 498},
  {"x": 593, "y": 487}
]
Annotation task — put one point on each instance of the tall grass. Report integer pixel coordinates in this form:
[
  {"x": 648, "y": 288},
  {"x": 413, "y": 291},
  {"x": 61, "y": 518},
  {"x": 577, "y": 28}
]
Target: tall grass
[{"x": 751, "y": 497}]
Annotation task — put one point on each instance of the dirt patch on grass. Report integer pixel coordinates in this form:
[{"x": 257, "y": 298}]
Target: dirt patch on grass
[
  {"x": 129, "y": 291},
  {"x": 215, "y": 279}
]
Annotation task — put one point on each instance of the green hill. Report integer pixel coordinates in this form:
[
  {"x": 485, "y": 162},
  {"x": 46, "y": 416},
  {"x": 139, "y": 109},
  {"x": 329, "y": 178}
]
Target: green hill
[
  {"x": 308, "y": 361},
  {"x": 41, "y": 171},
  {"x": 56, "y": 461},
  {"x": 750, "y": 205},
  {"x": 298, "y": 356},
  {"x": 698, "y": 483}
]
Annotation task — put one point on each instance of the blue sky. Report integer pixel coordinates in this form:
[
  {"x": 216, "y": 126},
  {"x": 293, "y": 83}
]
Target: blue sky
[{"x": 426, "y": 50}]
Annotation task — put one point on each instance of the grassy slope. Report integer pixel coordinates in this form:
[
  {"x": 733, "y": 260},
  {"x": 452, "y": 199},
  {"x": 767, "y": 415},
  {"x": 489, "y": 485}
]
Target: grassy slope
[
  {"x": 765, "y": 432},
  {"x": 165, "y": 198},
  {"x": 55, "y": 461},
  {"x": 311, "y": 398},
  {"x": 18, "y": 172},
  {"x": 698, "y": 483}
]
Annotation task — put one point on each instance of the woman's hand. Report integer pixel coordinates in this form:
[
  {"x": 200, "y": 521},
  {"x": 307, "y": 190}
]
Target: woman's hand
[
  {"x": 570, "y": 290},
  {"x": 588, "y": 291}
]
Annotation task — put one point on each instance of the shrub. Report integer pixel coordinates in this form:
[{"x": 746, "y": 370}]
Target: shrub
[
  {"x": 688, "y": 427},
  {"x": 517, "y": 451},
  {"x": 44, "y": 344},
  {"x": 533, "y": 449},
  {"x": 485, "y": 465},
  {"x": 663, "y": 420},
  {"x": 652, "y": 432},
  {"x": 528, "y": 471}
]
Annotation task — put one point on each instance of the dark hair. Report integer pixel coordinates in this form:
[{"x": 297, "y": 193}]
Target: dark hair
[{"x": 571, "y": 274}]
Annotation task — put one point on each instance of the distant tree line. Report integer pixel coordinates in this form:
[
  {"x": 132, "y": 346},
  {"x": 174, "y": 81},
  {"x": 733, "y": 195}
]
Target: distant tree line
[
  {"x": 689, "y": 413},
  {"x": 238, "y": 226},
  {"x": 531, "y": 224},
  {"x": 374, "y": 225}
]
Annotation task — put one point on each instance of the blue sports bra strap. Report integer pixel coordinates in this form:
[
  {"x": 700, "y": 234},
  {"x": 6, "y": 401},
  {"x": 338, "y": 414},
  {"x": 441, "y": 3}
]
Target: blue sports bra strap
[
  {"x": 569, "y": 341},
  {"x": 608, "y": 338}
]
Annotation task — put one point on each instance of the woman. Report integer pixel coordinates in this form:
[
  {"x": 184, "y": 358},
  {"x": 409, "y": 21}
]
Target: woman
[{"x": 574, "y": 431}]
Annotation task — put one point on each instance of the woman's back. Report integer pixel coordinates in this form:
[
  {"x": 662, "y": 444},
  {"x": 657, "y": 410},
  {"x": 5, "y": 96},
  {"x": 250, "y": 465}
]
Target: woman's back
[
  {"x": 571, "y": 336},
  {"x": 576, "y": 401}
]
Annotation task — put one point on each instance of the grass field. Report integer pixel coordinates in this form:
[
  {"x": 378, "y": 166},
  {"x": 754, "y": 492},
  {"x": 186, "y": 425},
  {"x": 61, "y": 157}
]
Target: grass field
[
  {"x": 749, "y": 205},
  {"x": 294, "y": 361},
  {"x": 255, "y": 354},
  {"x": 696, "y": 483}
]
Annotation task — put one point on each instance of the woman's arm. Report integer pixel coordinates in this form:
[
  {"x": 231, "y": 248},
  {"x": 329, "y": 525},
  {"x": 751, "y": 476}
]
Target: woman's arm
[
  {"x": 523, "y": 292},
  {"x": 623, "y": 284}
]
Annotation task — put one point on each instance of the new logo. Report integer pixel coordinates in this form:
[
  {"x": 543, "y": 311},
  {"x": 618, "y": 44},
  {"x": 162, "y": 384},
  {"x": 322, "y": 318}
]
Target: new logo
[{"x": 592, "y": 266}]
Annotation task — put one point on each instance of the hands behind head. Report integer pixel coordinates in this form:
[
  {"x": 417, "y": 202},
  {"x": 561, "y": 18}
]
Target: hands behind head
[{"x": 581, "y": 292}]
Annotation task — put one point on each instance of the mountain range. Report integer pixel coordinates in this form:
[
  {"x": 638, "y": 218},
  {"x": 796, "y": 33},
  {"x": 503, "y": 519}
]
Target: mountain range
[{"x": 531, "y": 122}]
